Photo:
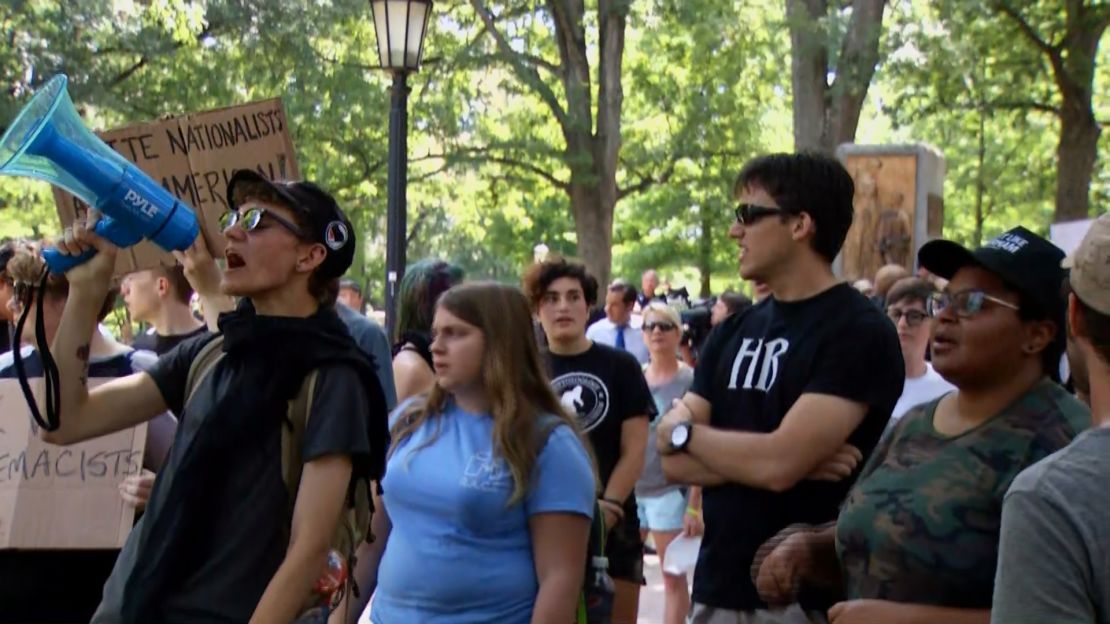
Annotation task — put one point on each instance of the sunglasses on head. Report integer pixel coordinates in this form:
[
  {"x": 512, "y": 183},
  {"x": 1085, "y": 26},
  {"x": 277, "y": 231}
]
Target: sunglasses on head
[
  {"x": 748, "y": 214},
  {"x": 249, "y": 216},
  {"x": 663, "y": 326}
]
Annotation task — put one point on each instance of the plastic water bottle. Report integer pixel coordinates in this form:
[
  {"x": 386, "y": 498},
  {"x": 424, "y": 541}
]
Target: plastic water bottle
[
  {"x": 599, "y": 599},
  {"x": 332, "y": 579}
]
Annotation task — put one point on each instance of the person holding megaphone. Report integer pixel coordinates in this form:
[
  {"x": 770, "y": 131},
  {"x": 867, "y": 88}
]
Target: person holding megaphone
[{"x": 220, "y": 541}]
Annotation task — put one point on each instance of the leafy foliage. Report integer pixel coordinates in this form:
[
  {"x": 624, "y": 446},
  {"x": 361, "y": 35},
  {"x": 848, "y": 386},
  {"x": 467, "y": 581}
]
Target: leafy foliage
[{"x": 706, "y": 85}]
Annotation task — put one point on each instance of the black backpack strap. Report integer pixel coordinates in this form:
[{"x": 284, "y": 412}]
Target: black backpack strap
[{"x": 545, "y": 425}]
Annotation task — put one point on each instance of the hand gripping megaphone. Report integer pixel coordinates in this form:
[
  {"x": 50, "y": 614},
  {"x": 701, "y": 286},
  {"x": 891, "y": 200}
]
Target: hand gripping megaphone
[{"x": 48, "y": 141}]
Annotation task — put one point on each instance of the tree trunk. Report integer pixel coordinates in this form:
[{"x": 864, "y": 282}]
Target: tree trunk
[
  {"x": 593, "y": 157},
  {"x": 1073, "y": 69},
  {"x": 591, "y": 154},
  {"x": 825, "y": 115},
  {"x": 1075, "y": 161},
  {"x": 1079, "y": 132},
  {"x": 593, "y": 224},
  {"x": 808, "y": 68}
]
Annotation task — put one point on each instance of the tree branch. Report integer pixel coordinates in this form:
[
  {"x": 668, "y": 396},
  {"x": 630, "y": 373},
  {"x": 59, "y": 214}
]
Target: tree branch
[
  {"x": 649, "y": 181},
  {"x": 130, "y": 71},
  {"x": 417, "y": 223},
  {"x": 1010, "y": 105},
  {"x": 145, "y": 59},
  {"x": 430, "y": 174},
  {"x": 1053, "y": 51},
  {"x": 523, "y": 70},
  {"x": 541, "y": 62},
  {"x": 486, "y": 154}
]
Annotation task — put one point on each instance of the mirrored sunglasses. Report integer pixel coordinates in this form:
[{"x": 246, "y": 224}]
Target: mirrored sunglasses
[{"x": 249, "y": 218}]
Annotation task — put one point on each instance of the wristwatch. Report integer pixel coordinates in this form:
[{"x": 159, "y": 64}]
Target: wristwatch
[{"x": 680, "y": 436}]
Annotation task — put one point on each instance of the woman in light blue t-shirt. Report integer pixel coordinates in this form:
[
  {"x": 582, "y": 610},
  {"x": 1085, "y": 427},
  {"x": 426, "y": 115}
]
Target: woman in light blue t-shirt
[{"x": 489, "y": 489}]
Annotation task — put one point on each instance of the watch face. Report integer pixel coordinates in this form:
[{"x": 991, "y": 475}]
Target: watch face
[{"x": 679, "y": 435}]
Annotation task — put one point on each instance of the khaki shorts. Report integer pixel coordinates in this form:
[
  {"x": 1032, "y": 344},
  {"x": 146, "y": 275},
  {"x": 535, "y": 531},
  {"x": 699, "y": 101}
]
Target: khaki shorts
[{"x": 701, "y": 614}]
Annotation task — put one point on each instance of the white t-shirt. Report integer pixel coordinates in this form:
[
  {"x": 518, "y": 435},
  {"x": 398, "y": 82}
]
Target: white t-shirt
[{"x": 920, "y": 390}]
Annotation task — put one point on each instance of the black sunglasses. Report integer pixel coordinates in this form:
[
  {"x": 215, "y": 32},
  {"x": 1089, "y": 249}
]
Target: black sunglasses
[
  {"x": 748, "y": 214},
  {"x": 250, "y": 217},
  {"x": 664, "y": 326}
]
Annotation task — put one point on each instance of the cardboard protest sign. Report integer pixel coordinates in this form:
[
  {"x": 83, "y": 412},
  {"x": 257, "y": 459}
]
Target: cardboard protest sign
[
  {"x": 193, "y": 157},
  {"x": 62, "y": 496}
]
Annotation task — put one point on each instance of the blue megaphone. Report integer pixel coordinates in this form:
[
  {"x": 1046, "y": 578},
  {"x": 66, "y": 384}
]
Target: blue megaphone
[{"x": 48, "y": 141}]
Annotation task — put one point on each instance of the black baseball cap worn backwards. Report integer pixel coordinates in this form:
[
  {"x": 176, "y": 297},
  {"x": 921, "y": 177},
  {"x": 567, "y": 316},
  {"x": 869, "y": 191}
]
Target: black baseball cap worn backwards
[
  {"x": 1025, "y": 261},
  {"x": 330, "y": 226}
]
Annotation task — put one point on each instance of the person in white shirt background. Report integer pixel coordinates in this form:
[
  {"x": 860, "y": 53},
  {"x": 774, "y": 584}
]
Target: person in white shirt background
[
  {"x": 905, "y": 307},
  {"x": 620, "y": 328}
]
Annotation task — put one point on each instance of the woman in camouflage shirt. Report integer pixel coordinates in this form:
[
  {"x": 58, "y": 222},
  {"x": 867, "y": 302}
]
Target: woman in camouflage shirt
[{"x": 917, "y": 538}]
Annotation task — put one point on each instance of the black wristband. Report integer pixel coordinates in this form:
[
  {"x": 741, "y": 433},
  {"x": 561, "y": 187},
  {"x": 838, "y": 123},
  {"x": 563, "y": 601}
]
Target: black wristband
[{"x": 613, "y": 501}]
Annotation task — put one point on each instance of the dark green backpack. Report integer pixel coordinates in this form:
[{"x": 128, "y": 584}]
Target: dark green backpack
[{"x": 354, "y": 525}]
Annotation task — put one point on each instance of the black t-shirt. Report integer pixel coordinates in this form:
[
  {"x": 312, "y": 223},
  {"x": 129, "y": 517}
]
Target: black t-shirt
[
  {"x": 250, "y": 527},
  {"x": 604, "y": 387},
  {"x": 753, "y": 368},
  {"x": 164, "y": 344}
]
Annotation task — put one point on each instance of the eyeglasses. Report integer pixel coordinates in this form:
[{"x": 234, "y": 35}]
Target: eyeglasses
[
  {"x": 965, "y": 304},
  {"x": 250, "y": 217},
  {"x": 748, "y": 214},
  {"x": 663, "y": 326},
  {"x": 913, "y": 317}
]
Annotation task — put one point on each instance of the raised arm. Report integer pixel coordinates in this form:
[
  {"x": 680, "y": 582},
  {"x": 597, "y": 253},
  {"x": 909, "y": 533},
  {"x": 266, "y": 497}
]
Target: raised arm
[
  {"x": 204, "y": 276},
  {"x": 118, "y": 404}
]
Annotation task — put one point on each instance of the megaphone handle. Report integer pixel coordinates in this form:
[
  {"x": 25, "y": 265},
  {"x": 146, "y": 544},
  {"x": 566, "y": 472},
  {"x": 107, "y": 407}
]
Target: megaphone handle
[{"x": 60, "y": 263}]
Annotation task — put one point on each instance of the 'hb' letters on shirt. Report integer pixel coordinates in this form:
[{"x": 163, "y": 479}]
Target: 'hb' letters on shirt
[{"x": 756, "y": 350}]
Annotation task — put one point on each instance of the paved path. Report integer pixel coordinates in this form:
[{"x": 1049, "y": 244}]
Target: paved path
[{"x": 651, "y": 596}]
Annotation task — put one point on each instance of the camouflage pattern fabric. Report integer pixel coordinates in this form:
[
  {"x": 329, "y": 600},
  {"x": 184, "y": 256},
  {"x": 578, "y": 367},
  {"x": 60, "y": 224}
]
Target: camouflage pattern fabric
[{"x": 922, "y": 523}]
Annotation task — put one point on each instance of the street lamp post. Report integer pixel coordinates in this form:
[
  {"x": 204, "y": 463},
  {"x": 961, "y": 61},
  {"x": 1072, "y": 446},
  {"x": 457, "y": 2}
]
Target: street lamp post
[{"x": 400, "y": 26}]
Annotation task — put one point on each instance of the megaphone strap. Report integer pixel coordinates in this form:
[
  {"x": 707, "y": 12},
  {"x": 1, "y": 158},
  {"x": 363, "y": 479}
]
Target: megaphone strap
[{"x": 49, "y": 367}]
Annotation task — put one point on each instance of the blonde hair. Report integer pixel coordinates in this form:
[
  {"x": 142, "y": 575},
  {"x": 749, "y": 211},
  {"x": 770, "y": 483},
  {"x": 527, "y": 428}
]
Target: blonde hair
[
  {"x": 661, "y": 308},
  {"x": 513, "y": 379}
]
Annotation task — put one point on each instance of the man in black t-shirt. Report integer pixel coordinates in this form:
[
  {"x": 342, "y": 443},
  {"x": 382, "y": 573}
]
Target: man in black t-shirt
[
  {"x": 606, "y": 389},
  {"x": 160, "y": 296},
  {"x": 781, "y": 386},
  {"x": 222, "y": 539}
]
